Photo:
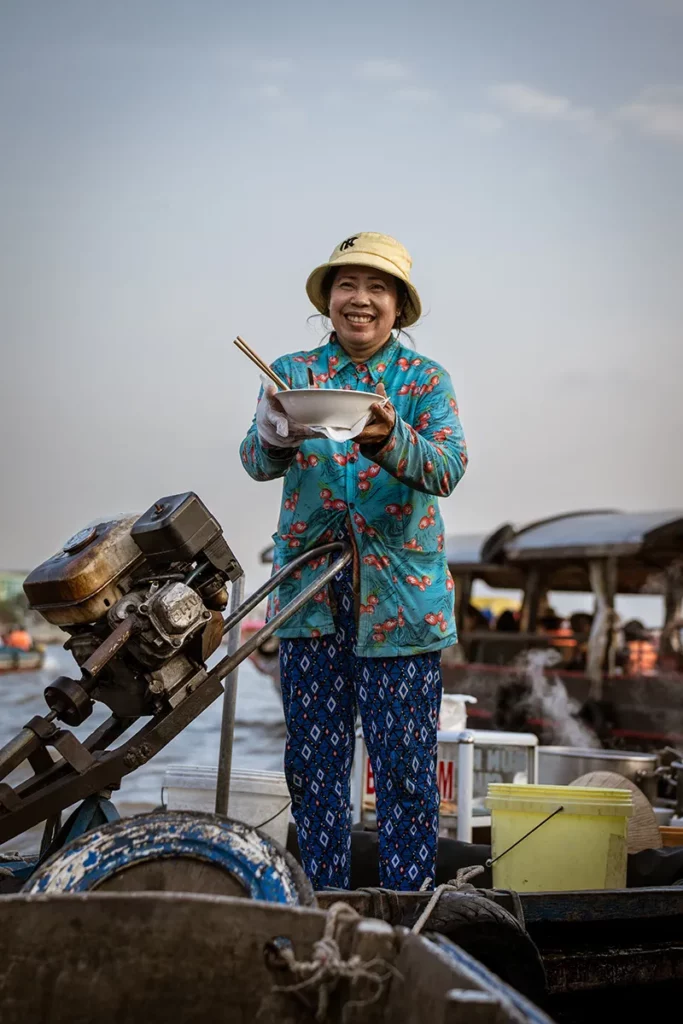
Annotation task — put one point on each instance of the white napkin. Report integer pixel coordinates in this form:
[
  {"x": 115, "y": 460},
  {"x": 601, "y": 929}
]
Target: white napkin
[{"x": 342, "y": 434}]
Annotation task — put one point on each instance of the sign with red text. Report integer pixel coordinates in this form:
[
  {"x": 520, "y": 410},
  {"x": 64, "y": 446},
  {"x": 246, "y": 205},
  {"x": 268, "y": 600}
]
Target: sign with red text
[{"x": 491, "y": 764}]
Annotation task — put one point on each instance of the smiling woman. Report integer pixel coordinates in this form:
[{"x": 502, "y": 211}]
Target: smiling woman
[
  {"x": 364, "y": 305},
  {"x": 373, "y": 640}
]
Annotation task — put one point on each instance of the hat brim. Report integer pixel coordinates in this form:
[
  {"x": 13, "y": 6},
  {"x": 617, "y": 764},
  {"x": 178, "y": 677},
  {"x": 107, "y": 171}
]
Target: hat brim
[{"x": 412, "y": 310}]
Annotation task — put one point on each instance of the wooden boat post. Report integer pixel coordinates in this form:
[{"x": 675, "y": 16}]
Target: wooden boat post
[
  {"x": 669, "y": 641},
  {"x": 531, "y": 602},
  {"x": 603, "y": 579}
]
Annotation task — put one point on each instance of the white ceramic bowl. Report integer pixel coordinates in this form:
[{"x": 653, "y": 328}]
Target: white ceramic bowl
[{"x": 328, "y": 408}]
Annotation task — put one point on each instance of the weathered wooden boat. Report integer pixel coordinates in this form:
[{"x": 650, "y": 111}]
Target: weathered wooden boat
[
  {"x": 12, "y": 659},
  {"x": 615, "y": 953},
  {"x": 603, "y": 553},
  {"x": 141, "y": 599},
  {"x": 140, "y": 957},
  {"x": 576, "y": 955},
  {"x": 569, "y": 953}
]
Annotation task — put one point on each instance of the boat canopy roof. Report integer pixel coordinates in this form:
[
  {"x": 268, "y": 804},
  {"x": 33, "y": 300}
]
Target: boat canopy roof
[
  {"x": 644, "y": 543},
  {"x": 465, "y": 556}
]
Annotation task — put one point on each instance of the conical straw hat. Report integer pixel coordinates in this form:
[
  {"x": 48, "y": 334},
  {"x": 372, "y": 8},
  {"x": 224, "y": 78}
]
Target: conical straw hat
[{"x": 643, "y": 830}]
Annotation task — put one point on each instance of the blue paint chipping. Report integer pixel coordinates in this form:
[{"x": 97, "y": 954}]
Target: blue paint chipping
[
  {"x": 252, "y": 858},
  {"x": 489, "y": 982}
]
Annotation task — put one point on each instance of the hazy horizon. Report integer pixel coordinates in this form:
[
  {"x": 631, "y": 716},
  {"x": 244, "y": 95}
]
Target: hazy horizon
[{"x": 172, "y": 172}]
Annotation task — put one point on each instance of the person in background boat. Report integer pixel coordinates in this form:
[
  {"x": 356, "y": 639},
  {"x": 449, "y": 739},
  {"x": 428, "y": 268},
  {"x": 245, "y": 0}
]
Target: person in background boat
[
  {"x": 561, "y": 636},
  {"x": 508, "y": 622},
  {"x": 19, "y": 638},
  {"x": 549, "y": 622},
  {"x": 580, "y": 624},
  {"x": 373, "y": 639},
  {"x": 641, "y": 653},
  {"x": 475, "y": 619}
]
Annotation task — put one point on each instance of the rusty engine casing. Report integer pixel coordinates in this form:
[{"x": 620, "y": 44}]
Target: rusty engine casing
[
  {"x": 162, "y": 577},
  {"x": 88, "y": 576}
]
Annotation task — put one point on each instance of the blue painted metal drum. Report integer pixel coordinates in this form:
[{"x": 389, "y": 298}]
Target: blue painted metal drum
[{"x": 180, "y": 851}]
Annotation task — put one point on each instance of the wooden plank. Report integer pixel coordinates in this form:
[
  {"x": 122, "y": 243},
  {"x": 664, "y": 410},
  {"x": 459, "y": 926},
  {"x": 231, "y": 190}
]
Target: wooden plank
[{"x": 603, "y": 905}]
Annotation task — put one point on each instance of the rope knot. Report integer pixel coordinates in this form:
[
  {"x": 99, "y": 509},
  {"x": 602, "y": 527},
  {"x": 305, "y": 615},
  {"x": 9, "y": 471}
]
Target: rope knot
[
  {"x": 326, "y": 968},
  {"x": 460, "y": 883}
]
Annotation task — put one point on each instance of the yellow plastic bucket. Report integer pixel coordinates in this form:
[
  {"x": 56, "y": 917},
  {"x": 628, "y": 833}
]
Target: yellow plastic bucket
[{"x": 583, "y": 846}]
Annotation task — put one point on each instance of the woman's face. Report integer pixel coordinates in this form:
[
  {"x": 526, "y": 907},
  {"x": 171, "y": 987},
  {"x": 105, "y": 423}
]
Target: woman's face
[{"x": 363, "y": 306}]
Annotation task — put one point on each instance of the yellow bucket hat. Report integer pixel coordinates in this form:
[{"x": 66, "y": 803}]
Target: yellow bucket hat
[{"x": 369, "y": 249}]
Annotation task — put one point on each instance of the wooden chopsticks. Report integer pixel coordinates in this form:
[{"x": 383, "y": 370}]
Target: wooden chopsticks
[{"x": 243, "y": 347}]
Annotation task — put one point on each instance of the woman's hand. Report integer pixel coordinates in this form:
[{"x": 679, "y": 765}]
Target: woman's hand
[
  {"x": 381, "y": 423},
  {"x": 275, "y": 428}
]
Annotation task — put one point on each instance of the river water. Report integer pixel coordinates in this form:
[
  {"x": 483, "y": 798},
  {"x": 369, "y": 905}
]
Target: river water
[{"x": 259, "y": 730}]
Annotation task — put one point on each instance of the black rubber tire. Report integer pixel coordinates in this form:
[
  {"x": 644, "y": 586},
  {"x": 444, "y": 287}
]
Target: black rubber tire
[
  {"x": 234, "y": 855},
  {"x": 491, "y": 935}
]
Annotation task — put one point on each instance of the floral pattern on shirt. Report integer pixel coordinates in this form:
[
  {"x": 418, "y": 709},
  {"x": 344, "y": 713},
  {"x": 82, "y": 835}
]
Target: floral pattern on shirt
[{"x": 388, "y": 502}]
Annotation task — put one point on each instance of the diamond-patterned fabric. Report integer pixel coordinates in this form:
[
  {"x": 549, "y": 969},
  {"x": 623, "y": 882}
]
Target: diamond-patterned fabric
[{"x": 323, "y": 685}]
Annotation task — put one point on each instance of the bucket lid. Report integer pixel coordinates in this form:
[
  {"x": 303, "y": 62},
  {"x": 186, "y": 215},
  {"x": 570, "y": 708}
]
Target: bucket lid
[
  {"x": 243, "y": 780},
  {"x": 573, "y": 799},
  {"x": 195, "y": 776}
]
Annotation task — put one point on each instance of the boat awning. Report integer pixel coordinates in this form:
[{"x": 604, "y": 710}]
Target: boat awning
[
  {"x": 644, "y": 544},
  {"x": 596, "y": 535},
  {"x": 464, "y": 549},
  {"x": 467, "y": 556}
]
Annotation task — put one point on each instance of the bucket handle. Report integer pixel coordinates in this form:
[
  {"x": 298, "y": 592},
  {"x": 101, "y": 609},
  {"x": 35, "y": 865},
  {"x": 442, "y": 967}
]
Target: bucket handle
[
  {"x": 490, "y": 863},
  {"x": 276, "y": 815}
]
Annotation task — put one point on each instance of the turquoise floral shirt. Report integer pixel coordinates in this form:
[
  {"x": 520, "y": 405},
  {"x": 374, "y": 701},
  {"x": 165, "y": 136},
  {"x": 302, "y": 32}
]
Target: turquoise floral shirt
[{"x": 388, "y": 502}]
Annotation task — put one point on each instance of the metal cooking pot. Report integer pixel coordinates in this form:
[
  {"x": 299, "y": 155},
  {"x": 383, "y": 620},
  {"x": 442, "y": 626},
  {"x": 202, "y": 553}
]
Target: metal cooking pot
[{"x": 558, "y": 766}]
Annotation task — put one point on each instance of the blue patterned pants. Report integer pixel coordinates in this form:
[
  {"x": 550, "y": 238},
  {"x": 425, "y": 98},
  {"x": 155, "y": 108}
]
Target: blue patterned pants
[{"x": 323, "y": 683}]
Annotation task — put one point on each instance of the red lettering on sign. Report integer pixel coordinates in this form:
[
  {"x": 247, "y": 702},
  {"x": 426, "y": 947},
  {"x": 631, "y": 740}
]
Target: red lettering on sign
[
  {"x": 444, "y": 778},
  {"x": 369, "y": 780}
]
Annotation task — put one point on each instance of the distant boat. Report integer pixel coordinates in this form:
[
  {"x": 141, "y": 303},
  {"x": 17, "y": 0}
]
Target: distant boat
[{"x": 12, "y": 659}]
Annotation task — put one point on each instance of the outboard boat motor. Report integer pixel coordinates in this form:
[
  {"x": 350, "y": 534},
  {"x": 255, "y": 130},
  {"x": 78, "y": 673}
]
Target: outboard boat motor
[
  {"x": 141, "y": 599},
  {"x": 150, "y": 592}
]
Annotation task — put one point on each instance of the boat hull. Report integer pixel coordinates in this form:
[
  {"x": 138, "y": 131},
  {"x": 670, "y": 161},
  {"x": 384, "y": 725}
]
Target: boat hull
[
  {"x": 72, "y": 959},
  {"x": 14, "y": 660},
  {"x": 634, "y": 713},
  {"x": 609, "y": 951}
]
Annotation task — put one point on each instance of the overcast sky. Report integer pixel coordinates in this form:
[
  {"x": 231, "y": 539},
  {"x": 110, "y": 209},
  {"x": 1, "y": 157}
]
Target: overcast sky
[{"x": 170, "y": 171}]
